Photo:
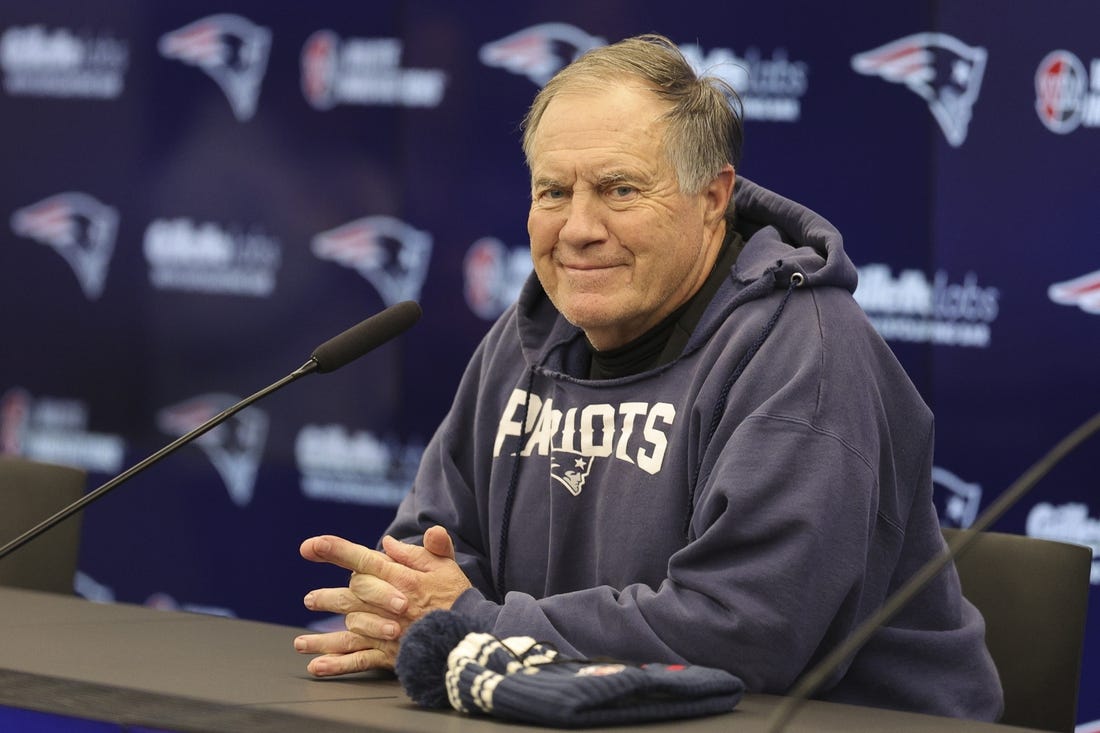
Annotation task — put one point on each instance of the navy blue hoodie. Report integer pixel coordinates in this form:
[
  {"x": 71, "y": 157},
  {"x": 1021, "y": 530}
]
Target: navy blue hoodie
[{"x": 744, "y": 507}]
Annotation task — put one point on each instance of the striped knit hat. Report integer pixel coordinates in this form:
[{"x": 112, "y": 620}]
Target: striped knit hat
[{"x": 520, "y": 679}]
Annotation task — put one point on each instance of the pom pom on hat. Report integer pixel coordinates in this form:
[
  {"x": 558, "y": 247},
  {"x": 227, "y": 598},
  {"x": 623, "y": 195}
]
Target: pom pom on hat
[{"x": 421, "y": 663}]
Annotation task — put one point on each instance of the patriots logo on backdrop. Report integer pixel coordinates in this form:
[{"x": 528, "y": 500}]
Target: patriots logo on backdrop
[
  {"x": 88, "y": 587},
  {"x": 392, "y": 255},
  {"x": 1083, "y": 292},
  {"x": 162, "y": 601},
  {"x": 231, "y": 49},
  {"x": 943, "y": 70},
  {"x": 956, "y": 500},
  {"x": 235, "y": 447},
  {"x": 79, "y": 228},
  {"x": 570, "y": 469},
  {"x": 540, "y": 51}
]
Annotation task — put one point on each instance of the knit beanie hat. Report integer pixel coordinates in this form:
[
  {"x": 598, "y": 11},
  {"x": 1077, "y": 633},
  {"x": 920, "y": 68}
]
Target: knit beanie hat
[{"x": 519, "y": 679}]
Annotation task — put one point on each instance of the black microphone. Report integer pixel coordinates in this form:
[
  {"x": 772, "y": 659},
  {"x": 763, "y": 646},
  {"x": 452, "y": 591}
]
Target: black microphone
[
  {"x": 366, "y": 336},
  {"x": 809, "y": 683},
  {"x": 329, "y": 356}
]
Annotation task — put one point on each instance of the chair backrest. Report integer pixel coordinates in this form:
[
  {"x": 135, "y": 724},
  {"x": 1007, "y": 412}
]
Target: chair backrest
[
  {"x": 1033, "y": 594},
  {"x": 30, "y": 492}
]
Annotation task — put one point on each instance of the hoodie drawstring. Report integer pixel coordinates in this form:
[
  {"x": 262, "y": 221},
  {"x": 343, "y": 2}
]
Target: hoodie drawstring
[{"x": 509, "y": 498}]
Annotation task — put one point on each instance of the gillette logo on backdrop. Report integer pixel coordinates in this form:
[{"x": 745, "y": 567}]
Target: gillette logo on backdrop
[
  {"x": 55, "y": 430},
  {"x": 913, "y": 308},
  {"x": 208, "y": 258},
  {"x": 354, "y": 468},
  {"x": 235, "y": 447},
  {"x": 1067, "y": 523},
  {"x": 365, "y": 71},
  {"x": 60, "y": 63},
  {"x": 230, "y": 49},
  {"x": 79, "y": 228},
  {"x": 393, "y": 256},
  {"x": 770, "y": 89},
  {"x": 1067, "y": 96},
  {"x": 941, "y": 69}
]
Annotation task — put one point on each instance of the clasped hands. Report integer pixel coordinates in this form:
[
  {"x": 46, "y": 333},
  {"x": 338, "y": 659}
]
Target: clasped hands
[{"x": 388, "y": 591}]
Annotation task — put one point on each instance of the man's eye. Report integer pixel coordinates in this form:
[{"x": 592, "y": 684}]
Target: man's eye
[
  {"x": 623, "y": 191},
  {"x": 553, "y": 194}
]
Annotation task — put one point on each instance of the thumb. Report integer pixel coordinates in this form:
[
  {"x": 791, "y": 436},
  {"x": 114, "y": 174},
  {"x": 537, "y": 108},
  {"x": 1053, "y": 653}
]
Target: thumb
[
  {"x": 438, "y": 542},
  {"x": 411, "y": 556}
]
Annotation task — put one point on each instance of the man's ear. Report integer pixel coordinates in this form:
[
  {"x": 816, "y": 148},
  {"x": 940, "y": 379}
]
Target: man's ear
[{"x": 717, "y": 194}]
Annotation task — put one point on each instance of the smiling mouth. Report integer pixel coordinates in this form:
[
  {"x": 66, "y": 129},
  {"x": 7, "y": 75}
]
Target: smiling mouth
[
  {"x": 586, "y": 267},
  {"x": 591, "y": 278}
]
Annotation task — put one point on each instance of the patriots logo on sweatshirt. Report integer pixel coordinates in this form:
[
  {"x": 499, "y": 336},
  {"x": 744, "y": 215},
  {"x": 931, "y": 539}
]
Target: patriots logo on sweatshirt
[
  {"x": 570, "y": 469},
  {"x": 538, "y": 52},
  {"x": 230, "y": 49},
  {"x": 79, "y": 228},
  {"x": 943, "y": 70}
]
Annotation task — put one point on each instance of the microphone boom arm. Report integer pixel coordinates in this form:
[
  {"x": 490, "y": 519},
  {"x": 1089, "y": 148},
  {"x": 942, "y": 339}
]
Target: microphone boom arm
[
  {"x": 210, "y": 424},
  {"x": 339, "y": 350}
]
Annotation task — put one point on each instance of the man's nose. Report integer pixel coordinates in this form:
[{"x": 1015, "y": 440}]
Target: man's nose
[{"x": 585, "y": 221}]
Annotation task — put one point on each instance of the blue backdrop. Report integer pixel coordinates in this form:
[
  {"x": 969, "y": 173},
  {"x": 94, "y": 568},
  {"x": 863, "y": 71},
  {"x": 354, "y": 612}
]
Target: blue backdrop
[{"x": 196, "y": 194}]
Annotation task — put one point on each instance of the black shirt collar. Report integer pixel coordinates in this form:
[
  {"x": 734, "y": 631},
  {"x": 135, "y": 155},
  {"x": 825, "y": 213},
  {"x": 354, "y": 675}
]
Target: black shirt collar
[{"x": 665, "y": 341}]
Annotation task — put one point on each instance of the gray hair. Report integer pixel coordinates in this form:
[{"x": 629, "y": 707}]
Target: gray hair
[{"x": 705, "y": 130}]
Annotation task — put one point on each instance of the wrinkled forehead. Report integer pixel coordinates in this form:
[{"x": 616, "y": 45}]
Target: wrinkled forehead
[{"x": 589, "y": 114}]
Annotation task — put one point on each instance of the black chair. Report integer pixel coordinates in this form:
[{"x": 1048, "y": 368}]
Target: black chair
[
  {"x": 31, "y": 491},
  {"x": 1033, "y": 594}
]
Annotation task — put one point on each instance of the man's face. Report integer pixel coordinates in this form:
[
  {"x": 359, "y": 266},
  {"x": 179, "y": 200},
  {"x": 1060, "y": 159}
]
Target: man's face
[{"x": 615, "y": 244}]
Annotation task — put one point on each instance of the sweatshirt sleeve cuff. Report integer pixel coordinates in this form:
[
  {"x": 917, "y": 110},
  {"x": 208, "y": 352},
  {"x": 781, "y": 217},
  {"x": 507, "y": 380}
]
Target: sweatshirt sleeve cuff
[{"x": 477, "y": 608}]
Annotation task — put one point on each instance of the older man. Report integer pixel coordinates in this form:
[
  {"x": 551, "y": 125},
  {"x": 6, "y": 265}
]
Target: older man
[{"x": 684, "y": 443}]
